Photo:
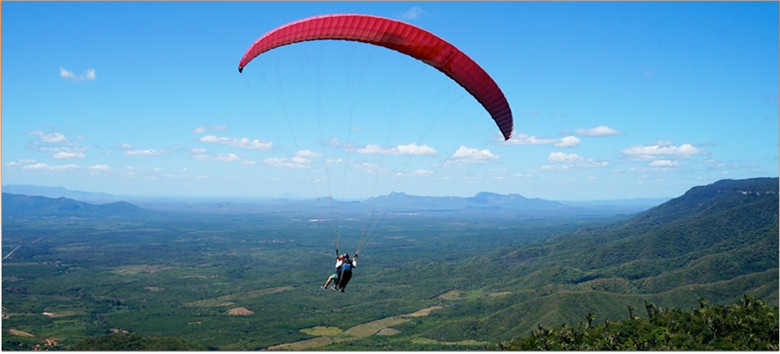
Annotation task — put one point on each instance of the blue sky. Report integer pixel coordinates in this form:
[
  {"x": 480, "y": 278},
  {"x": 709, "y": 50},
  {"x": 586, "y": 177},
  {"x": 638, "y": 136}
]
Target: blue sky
[{"x": 610, "y": 100}]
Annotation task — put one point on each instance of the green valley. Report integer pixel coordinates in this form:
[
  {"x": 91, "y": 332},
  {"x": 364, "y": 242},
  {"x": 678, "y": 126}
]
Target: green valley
[{"x": 127, "y": 278}]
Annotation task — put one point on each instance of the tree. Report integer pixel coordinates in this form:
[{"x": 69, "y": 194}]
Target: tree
[{"x": 746, "y": 325}]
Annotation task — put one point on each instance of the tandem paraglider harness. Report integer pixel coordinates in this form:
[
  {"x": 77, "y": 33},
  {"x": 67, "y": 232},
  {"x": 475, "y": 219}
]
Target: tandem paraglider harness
[{"x": 344, "y": 272}]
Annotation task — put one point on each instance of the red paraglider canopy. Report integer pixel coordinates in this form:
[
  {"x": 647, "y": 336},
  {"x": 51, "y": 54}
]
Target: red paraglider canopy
[{"x": 405, "y": 38}]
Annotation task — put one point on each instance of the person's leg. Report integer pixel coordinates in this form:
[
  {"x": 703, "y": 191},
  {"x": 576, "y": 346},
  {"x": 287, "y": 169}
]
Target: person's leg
[{"x": 330, "y": 278}]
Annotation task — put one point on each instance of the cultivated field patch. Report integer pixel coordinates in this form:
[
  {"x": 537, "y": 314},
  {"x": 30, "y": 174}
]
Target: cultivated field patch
[
  {"x": 330, "y": 335},
  {"x": 227, "y": 300}
]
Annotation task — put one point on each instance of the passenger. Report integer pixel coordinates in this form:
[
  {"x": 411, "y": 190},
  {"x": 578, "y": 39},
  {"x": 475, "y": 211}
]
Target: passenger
[
  {"x": 335, "y": 276},
  {"x": 345, "y": 272}
]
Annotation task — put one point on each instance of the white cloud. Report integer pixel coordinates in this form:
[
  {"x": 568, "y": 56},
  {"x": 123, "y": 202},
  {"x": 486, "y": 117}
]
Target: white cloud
[
  {"x": 59, "y": 145},
  {"x": 242, "y": 143},
  {"x": 21, "y": 163},
  {"x": 67, "y": 74},
  {"x": 230, "y": 157},
  {"x": 334, "y": 143},
  {"x": 601, "y": 130},
  {"x": 731, "y": 166},
  {"x": 664, "y": 163},
  {"x": 415, "y": 173},
  {"x": 69, "y": 155},
  {"x": 373, "y": 149},
  {"x": 201, "y": 130},
  {"x": 89, "y": 75},
  {"x": 52, "y": 138},
  {"x": 414, "y": 149},
  {"x": 525, "y": 139},
  {"x": 661, "y": 149},
  {"x": 371, "y": 168},
  {"x": 563, "y": 157},
  {"x": 568, "y": 141},
  {"x": 336, "y": 161},
  {"x": 100, "y": 167},
  {"x": 204, "y": 155},
  {"x": 125, "y": 146},
  {"x": 145, "y": 152},
  {"x": 130, "y": 171},
  {"x": 308, "y": 154},
  {"x": 37, "y": 166},
  {"x": 565, "y": 162},
  {"x": 471, "y": 155},
  {"x": 409, "y": 149},
  {"x": 412, "y": 14},
  {"x": 47, "y": 167},
  {"x": 557, "y": 167},
  {"x": 302, "y": 159},
  {"x": 295, "y": 162}
]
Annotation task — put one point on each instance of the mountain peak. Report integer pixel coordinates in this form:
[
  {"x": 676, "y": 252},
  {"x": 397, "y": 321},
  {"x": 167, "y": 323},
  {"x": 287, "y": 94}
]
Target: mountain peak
[
  {"x": 59, "y": 192},
  {"x": 483, "y": 201},
  {"x": 16, "y": 205}
]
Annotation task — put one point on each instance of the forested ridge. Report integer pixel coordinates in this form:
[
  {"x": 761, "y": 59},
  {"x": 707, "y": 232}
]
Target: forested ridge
[
  {"x": 746, "y": 325},
  {"x": 724, "y": 247}
]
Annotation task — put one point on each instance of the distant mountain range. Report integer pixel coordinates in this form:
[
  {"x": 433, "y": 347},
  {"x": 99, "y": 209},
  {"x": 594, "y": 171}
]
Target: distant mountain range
[
  {"x": 60, "y": 192},
  {"x": 485, "y": 203},
  {"x": 18, "y": 206}
]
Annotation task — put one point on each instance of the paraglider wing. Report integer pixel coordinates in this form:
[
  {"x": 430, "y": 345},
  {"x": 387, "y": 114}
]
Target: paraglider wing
[{"x": 405, "y": 38}]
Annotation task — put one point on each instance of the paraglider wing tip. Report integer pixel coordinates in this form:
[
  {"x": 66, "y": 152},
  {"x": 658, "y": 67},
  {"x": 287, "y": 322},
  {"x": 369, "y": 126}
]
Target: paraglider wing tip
[
  {"x": 506, "y": 134},
  {"x": 240, "y": 69}
]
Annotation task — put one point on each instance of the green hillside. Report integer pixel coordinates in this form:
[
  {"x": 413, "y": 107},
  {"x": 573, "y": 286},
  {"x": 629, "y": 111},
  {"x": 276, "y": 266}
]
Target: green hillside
[
  {"x": 718, "y": 242},
  {"x": 746, "y": 325}
]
